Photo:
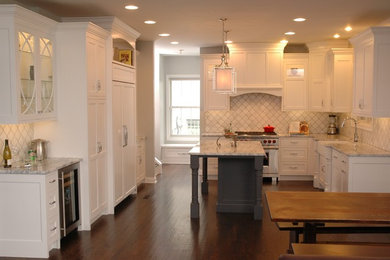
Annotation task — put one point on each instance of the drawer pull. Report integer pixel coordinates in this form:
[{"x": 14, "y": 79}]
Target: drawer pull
[
  {"x": 53, "y": 229},
  {"x": 343, "y": 171},
  {"x": 293, "y": 142},
  {"x": 293, "y": 153},
  {"x": 52, "y": 181},
  {"x": 293, "y": 167},
  {"x": 52, "y": 203},
  {"x": 343, "y": 161}
]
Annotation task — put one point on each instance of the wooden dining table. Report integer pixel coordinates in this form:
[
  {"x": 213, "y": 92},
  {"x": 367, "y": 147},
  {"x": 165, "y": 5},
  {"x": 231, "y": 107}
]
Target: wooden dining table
[{"x": 316, "y": 208}]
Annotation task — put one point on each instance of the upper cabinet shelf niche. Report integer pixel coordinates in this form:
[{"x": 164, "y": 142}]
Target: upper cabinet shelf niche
[
  {"x": 371, "y": 90},
  {"x": 27, "y": 91}
]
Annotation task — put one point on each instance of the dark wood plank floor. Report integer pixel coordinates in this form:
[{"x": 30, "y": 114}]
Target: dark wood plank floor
[{"x": 156, "y": 224}]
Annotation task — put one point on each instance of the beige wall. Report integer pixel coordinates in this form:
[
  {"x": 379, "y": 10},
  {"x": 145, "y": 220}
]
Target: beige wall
[{"x": 145, "y": 102}]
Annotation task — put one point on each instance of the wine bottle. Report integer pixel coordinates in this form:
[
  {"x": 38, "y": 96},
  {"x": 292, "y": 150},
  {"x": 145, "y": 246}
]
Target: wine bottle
[{"x": 7, "y": 157}]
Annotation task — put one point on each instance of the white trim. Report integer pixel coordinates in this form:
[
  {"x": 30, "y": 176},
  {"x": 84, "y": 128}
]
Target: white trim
[
  {"x": 151, "y": 180},
  {"x": 168, "y": 135}
]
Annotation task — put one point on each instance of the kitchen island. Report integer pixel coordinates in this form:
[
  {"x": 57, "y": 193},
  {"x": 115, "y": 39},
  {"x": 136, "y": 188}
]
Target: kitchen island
[{"x": 240, "y": 169}]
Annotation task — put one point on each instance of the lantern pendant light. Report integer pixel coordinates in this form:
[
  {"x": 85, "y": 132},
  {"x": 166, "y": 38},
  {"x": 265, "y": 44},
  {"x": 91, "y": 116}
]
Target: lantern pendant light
[{"x": 224, "y": 77}]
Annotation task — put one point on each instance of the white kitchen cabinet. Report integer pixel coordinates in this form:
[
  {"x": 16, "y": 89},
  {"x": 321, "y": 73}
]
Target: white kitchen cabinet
[
  {"x": 82, "y": 128},
  {"x": 258, "y": 65},
  {"x": 325, "y": 171},
  {"x": 293, "y": 156},
  {"x": 141, "y": 171},
  {"x": 97, "y": 153},
  {"x": 339, "y": 75},
  {"x": 295, "y": 81},
  {"x": 176, "y": 154},
  {"x": 330, "y": 68},
  {"x": 371, "y": 77},
  {"x": 96, "y": 53},
  {"x": 29, "y": 219},
  {"x": 27, "y": 76},
  {"x": 314, "y": 162},
  {"x": 212, "y": 100},
  {"x": 339, "y": 172},
  {"x": 124, "y": 137}
]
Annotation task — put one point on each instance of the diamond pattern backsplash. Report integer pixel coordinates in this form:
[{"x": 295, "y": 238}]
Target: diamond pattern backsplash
[
  {"x": 251, "y": 112},
  {"x": 19, "y": 137},
  {"x": 379, "y": 136}
]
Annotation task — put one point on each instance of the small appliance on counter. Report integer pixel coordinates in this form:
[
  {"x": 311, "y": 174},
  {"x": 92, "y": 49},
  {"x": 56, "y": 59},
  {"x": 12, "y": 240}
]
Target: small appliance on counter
[
  {"x": 298, "y": 128},
  {"x": 332, "y": 128},
  {"x": 40, "y": 148}
]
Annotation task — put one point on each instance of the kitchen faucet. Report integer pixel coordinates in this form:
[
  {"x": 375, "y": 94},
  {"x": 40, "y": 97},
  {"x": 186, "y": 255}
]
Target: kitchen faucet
[{"x": 355, "y": 135}]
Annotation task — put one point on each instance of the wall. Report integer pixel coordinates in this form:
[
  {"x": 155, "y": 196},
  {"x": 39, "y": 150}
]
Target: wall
[
  {"x": 173, "y": 65},
  {"x": 19, "y": 137},
  {"x": 251, "y": 112},
  {"x": 145, "y": 102}
]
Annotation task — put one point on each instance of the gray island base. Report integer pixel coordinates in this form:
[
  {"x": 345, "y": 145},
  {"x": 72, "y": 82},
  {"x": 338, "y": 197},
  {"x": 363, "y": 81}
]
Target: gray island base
[{"x": 240, "y": 171}]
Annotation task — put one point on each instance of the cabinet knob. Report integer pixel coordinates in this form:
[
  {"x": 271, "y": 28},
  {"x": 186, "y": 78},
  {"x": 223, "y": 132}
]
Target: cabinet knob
[
  {"x": 98, "y": 85},
  {"x": 52, "y": 181},
  {"x": 52, "y": 203},
  {"x": 53, "y": 229}
]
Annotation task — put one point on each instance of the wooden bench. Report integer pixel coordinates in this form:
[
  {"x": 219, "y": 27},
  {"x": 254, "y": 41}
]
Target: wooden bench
[
  {"x": 331, "y": 228},
  {"x": 342, "y": 250}
]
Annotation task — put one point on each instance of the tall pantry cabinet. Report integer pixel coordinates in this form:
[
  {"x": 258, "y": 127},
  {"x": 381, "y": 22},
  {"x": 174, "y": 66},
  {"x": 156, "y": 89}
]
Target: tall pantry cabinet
[{"x": 82, "y": 105}]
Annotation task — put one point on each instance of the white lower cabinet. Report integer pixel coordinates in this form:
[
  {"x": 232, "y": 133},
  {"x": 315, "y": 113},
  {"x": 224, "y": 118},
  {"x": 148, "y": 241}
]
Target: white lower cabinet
[
  {"x": 293, "y": 156},
  {"x": 175, "y": 154},
  {"x": 325, "y": 170},
  {"x": 29, "y": 218},
  {"x": 124, "y": 139},
  {"x": 360, "y": 173},
  {"x": 97, "y": 157}
]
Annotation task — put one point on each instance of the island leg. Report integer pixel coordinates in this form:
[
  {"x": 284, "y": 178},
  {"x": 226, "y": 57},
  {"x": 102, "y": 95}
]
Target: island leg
[
  {"x": 258, "y": 208},
  {"x": 205, "y": 185},
  {"x": 194, "y": 202}
]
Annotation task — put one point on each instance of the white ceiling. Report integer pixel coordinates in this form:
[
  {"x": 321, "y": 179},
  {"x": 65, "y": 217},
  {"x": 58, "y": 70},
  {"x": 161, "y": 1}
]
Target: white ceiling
[{"x": 194, "y": 23}]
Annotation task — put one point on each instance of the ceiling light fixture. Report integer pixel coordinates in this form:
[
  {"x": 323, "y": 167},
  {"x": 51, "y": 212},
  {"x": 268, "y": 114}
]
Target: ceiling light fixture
[
  {"x": 289, "y": 33},
  {"x": 224, "y": 77},
  {"x": 131, "y": 7},
  {"x": 336, "y": 35},
  {"x": 284, "y": 41},
  {"x": 299, "y": 19},
  {"x": 175, "y": 43},
  {"x": 164, "y": 34},
  {"x": 348, "y": 28},
  {"x": 150, "y": 22}
]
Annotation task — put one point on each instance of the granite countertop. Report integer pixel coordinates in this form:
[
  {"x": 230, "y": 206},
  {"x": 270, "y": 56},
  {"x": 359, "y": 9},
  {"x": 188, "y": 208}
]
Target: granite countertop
[
  {"x": 40, "y": 167},
  {"x": 244, "y": 148},
  {"x": 359, "y": 149}
]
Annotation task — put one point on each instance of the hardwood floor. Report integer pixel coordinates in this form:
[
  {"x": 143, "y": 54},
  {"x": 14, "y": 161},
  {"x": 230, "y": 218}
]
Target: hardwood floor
[{"x": 156, "y": 224}]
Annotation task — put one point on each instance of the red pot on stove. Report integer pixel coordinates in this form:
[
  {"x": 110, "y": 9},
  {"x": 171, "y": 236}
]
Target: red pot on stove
[{"x": 268, "y": 129}]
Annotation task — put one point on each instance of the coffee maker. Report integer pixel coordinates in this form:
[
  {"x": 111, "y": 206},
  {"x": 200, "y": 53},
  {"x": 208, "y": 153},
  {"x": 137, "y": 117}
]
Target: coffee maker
[{"x": 332, "y": 128}]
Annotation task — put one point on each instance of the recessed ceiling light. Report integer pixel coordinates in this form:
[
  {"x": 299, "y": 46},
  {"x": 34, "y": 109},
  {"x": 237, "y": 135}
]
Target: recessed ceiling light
[
  {"x": 228, "y": 41},
  {"x": 289, "y": 33},
  {"x": 174, "y": 43},
  {"x": 164, "y": 34},
  {"x": 284, "y": 41},
  {"x": 131, "y": 7},
  {"x": 299, "y": 19},
  {"x": 348, "y": 28},
  {"x": 336, "y": 35},
  {"x": 150, "y": 22}
]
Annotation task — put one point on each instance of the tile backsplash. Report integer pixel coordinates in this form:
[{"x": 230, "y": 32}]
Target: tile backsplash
[
  {"x": 19, "y": 136},
  {"x": 379, "y": 136},
  {"x": 251, "y": 112}
]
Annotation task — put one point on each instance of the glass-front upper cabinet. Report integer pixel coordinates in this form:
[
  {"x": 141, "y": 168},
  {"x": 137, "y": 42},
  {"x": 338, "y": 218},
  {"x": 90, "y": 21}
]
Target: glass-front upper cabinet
[{"x": 27, "y": 93}]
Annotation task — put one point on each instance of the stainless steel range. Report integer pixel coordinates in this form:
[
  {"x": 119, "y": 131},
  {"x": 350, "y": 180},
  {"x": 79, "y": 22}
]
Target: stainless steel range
[{"x": 270, "y": 143}]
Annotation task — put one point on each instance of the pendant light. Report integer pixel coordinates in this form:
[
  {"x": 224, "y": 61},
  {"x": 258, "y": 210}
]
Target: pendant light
[{"x": 224, "y": 77}]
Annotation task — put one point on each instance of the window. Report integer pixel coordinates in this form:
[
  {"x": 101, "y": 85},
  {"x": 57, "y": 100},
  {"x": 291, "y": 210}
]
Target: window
[{"x": 183, "y": 113}]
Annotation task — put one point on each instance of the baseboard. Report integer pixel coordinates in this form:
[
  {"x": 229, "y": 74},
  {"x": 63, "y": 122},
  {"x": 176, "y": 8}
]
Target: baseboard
[
  {"x": 151, "y": 180},
  {"x": 295, "y": 178}
]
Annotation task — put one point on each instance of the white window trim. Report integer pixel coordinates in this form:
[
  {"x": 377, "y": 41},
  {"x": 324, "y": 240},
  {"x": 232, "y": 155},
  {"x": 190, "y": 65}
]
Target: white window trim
[{"x": 168, "y": 135}]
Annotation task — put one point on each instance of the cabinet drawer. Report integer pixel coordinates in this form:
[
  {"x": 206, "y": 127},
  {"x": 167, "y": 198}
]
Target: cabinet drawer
[
  {"x": 293, "y": 142},
  {"x": 53, "y": 229},
  {"x": 293, "y": 154},
  {"x": 339, "y": 160},
  {"x": 123, "y": 74},
  {"x": 296, "y": 168}
]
